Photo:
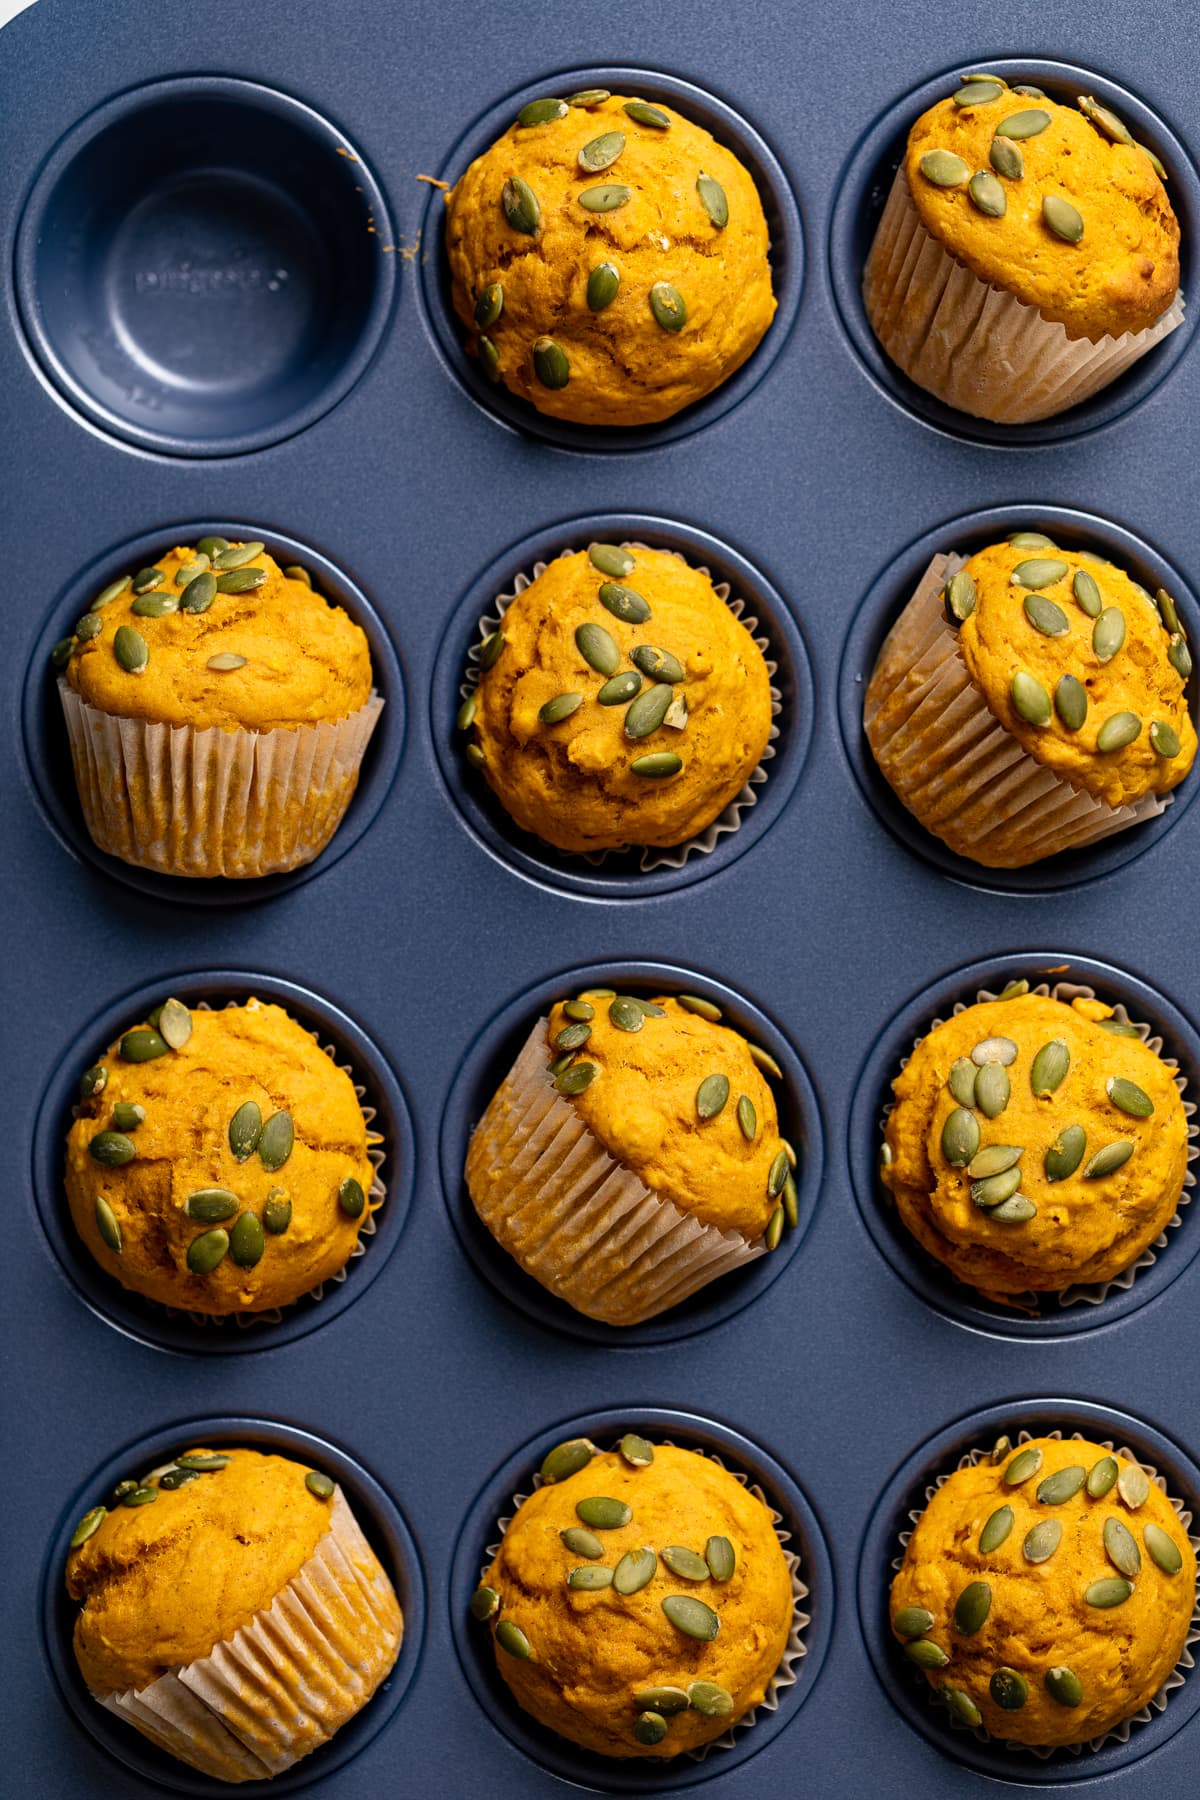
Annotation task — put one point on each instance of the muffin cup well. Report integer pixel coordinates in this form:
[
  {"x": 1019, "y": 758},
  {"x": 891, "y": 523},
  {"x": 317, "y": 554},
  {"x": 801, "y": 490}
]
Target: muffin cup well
[
  {"x": 655, "y": 856},
  {"x": 210, "y": 802},
  {"x": 1120, "y": 1733},
  {"x": 283, "y": 1683},
  {"x": 974, "y": 346},
  {"x": 953, "y": 765}
]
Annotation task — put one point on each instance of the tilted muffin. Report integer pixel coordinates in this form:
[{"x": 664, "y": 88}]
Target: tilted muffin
[
  {"x": 1047, "y": 1595},
  {"x": 609, "y": 259},
  {"x": 621, "y": 702},
  {"x": 219, "y": 1160},
  {"x": 231, "y": 1610},
  {"x": 633, "y": 1154},
  {"x": 1033, "y": 701},
  {"x": 1032, "y": 1146},
  {"x": 1027, "y": 255},
  {"x": 218, "y": 711},
  {"x": 640, "y": 1602}
]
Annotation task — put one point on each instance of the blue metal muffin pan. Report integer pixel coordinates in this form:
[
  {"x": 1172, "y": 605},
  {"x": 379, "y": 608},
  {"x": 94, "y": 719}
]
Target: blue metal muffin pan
[{"x": 160, "y": 166}]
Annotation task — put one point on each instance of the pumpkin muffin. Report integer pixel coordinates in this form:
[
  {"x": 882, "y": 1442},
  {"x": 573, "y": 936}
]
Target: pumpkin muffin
[
  {"x": 1035, "y": 1144},
  {"x": 1046, "y": 1593},
  {"x": 633, "y": 1154},
  {"x": 218, "y": 710},
  {"x": 1027, "y": 255},
  {"x": 621, "y": 702},
  {"x": 231, "y": 1610},
  {"x": 640, "y": 1603},
  {"x": 219, "y": 1160},
  {"x": 609, "y": 260},
  {"x": 1031, "y": 700}
]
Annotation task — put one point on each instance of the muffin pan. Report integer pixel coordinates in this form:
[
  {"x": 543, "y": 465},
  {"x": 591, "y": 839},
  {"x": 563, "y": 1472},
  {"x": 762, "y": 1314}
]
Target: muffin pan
[{"x": 340, "y": 421}]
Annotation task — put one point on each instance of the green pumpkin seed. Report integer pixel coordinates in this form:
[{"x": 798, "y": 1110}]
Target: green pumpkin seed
[
  {"x": 1180, "y": 657},
  {"x": 960, "y": 1137},
  {"x": 747, "y": 1118},
  {"x": 603, "y": 1513},
  {"x": 1063, "y": 1485},
  {"x": 1128, "y": 1097},
  {"x": 107, "y": 1226},
  {"x": 90, "y": 1522},
  {"x": 489, "y": 650},
  {"x": 611, "y": 560},
  {"x": 926, "y": 1654},
  {"x": 1163, "y": 1550},
  {"x": 972, "y": 1608},
  {"x": 1049, "y": 1069},
  {"x": 512, "y": 1639},
  {"x": 663, "y": 1700},
  {"x": 657, "y": 766},
  {"x": 685, "y": 1563},
  {"x": 147, "y": 578},
  {"x": 542, "y": 112},
  {"x": 638, "y": 1452},
  {"x": 961, "y": 1705},
  {"x": 588, "y": 97},
  {"x": 296, "y": 572},
  {"x": 995, "y": 1532},
  {"x": 246, "y": 1241},
  {"x": 978, "y": 92},
  {"x": 1164, "y": 739},
  {"x": 130, "y": 649},
  {"x": 1062, "y": 219},
  {"x": 647, "y": 115},
  {"x": 692, "y": 1617},
  {"x": 976, "y": 75},
  {"x": 777, "y": 1174},
  {"x": 582, "y": 1543},
  {"x": 774, "y": 1232},
  {"x": 1030, "y": 700},
  {"x": 319, "y": 1484},
  {"x": 211, "y": 546},
  {"x": 154, "y": 606},
  {"x": 128, "y": 1115},
  {"x": 572, "y": 1037},
  {"x": 1133, "y": 1485},
  {"x": 550, "y": 363},
  {"x": 721, "y": 1558},
  {"x": 992, "y": 1089},
  {"x": 646, "y": 714},
  {"x": 620, "y": 689},
  {"x": 1155, "y": 162},
  {"x": 275, "y": 1141},
  {"x": 1108, "y": 633},
  {"x": 650, "y": 1728},
  {"x": 624, "y": 603},
  {"x": 1166, "y": 607},
  {"x": 241, "y": 581},
  {"x": 566, "y": 1459},
  {"x": 175, "y": 1023},
  {"x": 714, "y": 200},
  {"x": 88, "y": 627},
  {"x": 277, "y": 1212},
  {"x": 579, "y": 1011},
  {"x": 1006, "y": 159},
  {"x": 485, "y": 1601},
  {"x": 656, "y": 664},
  {"x": 608, "y": 197},
  {"x": 560, "y": 708},
  {"x": 1121, "y": 1548},
  {"x": 575, "y": 1079},
  {"x": 626, "y": 1013},
  {"x": 704, "y": 1009},
  {"x": 636, "y": 1570},
  {"x": 1118, "y": 1029},
  {"x": 1017, "y": 1211},
  {"x": 1000, "y": 1449},
  {"x": 1087, "y": 593},
  {"x": 1103, "y": 1477},
  {"x": 351, "y": 1199},
  {"x": 93, "y": 1081},
  {"x": 1025, "y": 124},
  {"x": 236, "y": 556},
  {"x": 603, "y": 285},
  {"x": 996, "y": 1188},
  {"x": 994, "y": 1159},
  {"x": 489, "y": 356},
  {"x": 1105, "y": 120},
  {"x": 142, "y": 1045},
  {"x": 1009, "y": 1690},
  {"x": 590, "y": 1578},
  {"x": 712, "y": 1095},
  {"x": 961, "y": 1081},
  {"x": 112, "y": 1149},
  {"x": 710, "y": 1699},
  {"x": 1042, "y": 1540},
  {"x": 1108, "y": 1160},
  {"x": 987, "y": 194},
  {"x": 1071, "y": 702},
  {"x": 60, "y": 656},
  {"x": 1030, "y": 540},
  {"x": 206, "y": 1251},
  {"x": 211, "y": 1206},
  {"x": 520, "y": 206},
  {"x": 912, "y": 1622},
  {"x": 959, "y": 597},
  {"x": 489, "y": 305},
  {"x": 994, "y": 1050},
  {"x": 112, "y": 592},
  {"x": 1038, "y": 572},
  {"x": 1065, "y": 1153},
  {"x": 944, "y": 169},
  {"x": 139, "y": 1496},
  {"x": 601, "y": 152},
  {"x": 1045, "y": 616},
  {"x": 199, "y": 593},
  {"x": 1112, "y": 1591},
  {"x": 245, "y": 1129},
  {"x": 1023, "y": 1465},
  {"x": 1064, "y": 1686},
  {"x": 668, "y": 306}
]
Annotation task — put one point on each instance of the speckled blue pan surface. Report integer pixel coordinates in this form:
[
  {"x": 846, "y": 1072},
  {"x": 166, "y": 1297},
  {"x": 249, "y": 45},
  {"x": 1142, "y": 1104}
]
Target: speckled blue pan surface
[{"x": 225, "y": 308}]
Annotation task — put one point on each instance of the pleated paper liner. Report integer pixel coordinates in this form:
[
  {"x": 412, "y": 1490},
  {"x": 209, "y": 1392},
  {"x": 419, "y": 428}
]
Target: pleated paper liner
[
  {"x": 974, "y": 346},
  {"x": 655, "y": 856},
  {"x": 205, "y": 803},
  {"x": 795, "y": 1649},
  {"x": 284, "y": 1683},
  {"x": 575, "y": 1219},
  {"x": 1088, "y": 1294},
  {"x": 1119, "y": 1734},
  {"x": 948, "y": 759}
]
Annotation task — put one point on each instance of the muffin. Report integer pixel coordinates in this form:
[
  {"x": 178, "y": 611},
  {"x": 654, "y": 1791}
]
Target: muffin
[
  {"x": 1046, "y": 1595},
  {"x": 218, "y": 711},
  {"x": 231, "y": 1610},
  {"x": 1031, "y": 700},
  {"x": 219, "y": 1161},
  {"x": 1034, "y": 1144},
  {"x": 639, "y": 1603},
  {"x": 633, "y": 1154},
  {"x": 609, "y": 260},
  {"x": 621, "y": 702},
  {"x": 1027, "y": 254}
]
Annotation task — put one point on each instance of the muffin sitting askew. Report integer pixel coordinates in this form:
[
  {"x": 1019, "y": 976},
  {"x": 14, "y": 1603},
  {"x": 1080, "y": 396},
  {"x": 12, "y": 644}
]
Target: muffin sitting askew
[
  {"x": 231, "y": 1610},
  {"x": 1046, "y": 1596},
  {"x": 621, "y": 702},
  {"x": 633, "y": 1154},
  {"x": 640, "y": 1602},
  {"x": 609, "y": 259},
  {"x": 219, "y": 1160}
]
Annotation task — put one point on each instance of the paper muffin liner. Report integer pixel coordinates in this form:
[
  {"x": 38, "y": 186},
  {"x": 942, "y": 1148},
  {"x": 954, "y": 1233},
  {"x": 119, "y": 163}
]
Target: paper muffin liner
[
  {"x": 974, "y": 346},
  {"x": 656, "y": 856},
  {"x": 284, "y": 1683},
  {"x": 200, "y": 803},
  {"x": 1083, "y": 1293},
  {"x": 794, "y": 1650},
  {"x": 1119, "y": 1734},
  {"x": 576, "y": 1220},
  {"x": 950, "y": 761}
]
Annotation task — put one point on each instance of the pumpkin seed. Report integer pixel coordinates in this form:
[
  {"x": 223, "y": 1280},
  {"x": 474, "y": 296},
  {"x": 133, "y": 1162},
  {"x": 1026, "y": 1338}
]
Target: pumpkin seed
[
  {"x": 130, "y": 649},
  {"x": 206, "y": 1251},
  {"x": 236, "y": 556},
  {"x": 211, "y": 546},
  {"x": 60, "y": 656},
  {"x": 1128, "y": 1097},
  {"x": 1038, "y": 572},
  {"x": 944, "y": 169},
  {"x": 550, "y": 363},
  {"x": 542, "y": 112},
  {"x": 626, "y": 1013},
  {"x": 1000, "y": 1449},
  {"x": 995, "y": 1532},
  {"x": 601, "y": 152},
  {"x": 147, "y": 578},
  {"x": 710, "y": 1699},
  {"x": 996, "y": 1188},
  {"x": 489, "y": 305},
  {"x": 762, "y": 1059},
  {"x": 245, "y": 1129},
  {"x": 139, "y": 1496},
  {"x": 1180, "y": 657},
  {"x": 1087, "y": 593},
  {"x": 620, "y": 689},
  {"x": 961, "y": 1081},
  {"x": 624, "y": 603},
  {"x": 636, "y": 1451},
  {"x": 351, "y": 1199},
  {"x": 1050, "y": 1066},
  {"x": 590, "y": 1577},
  {"x": 978, "y": 92},
  {"x": 1009, "y": 1690},
  {"x": 1112, "y": 1591},
  {"x": 520, "y": 206},
  {"x": 1163, "y": 1550},
  {"x": 992, "y": 1089},
  {"x": 199, "y": 593},
  {"x": 1118, "y": 1030},
  {"x": 1166, "y": 607},
  {"x": 1063, "y": 1485},
  {"x": 647, "y": 115},
  {"x": 560, "y": 708},
  {"x": 588, "y": 97},
  {"x": 668, "y": 306},
  {"x": 1105, "y": 120},
  {"x": 774, "y": 1231},
  {"x": 1006, "y": 159},
  {"x": 994, "y": 1159},
  {"x": 721, "y": 1558},
  {"x": 1065, "y": 1153},
  {"x": 511, "y": 1638},
  {"x": 608, "y": 197},
  {"x": 88, "y": 627},
  {"x": 691, "y": 1616},
  {"x": 976, "y": 75},
  {"x": 1121, "y": 1548},
  {"x": 1024, "y": 124},
  {"x": 603, "y": 1513},
  {"x": 489, "y": 356},
  {"x": 1155, "y": 162},
  {"x": 1030, "y": 700},
  {"x": 276, "y": 1140},
  {"x": 1017, "y": 1211},
  {"x": 90, "y": 1522},
  {"x": 912, "y": 1622},
  {"x": 1024, "y": 1464},
  {"x": 960, "y": 1137},
  {"x": 603, "y": 285},
  {"x": 714, "y": 200},
  {"x": 1164, "y": 739},
  {"x": 685, "y": 1563},
  {"x": 1062, "y": 218},
  {"x": 972, "y": 1608},
  {"x": 648, "y": 711},
  {"x": 113, "y": 591},
  {"x": 484, "y": 1602},
  {"x": 656, "y": 664},
  {"x": 926, "y": 1654},
  {"x": 241, "y": 581},
  {"x": 1042, "y": 1540},
  {"x": 1031, "y": 540},
  {"x": 712, "y": 1095},
  {"x": 277, "y": 1212},
  {"x": 650, "y": 1728},
  {"x": 636, "y": 1570},
  {"x": 994, "y": 1050},
  {"x": 1108, "y": 1160},
  {"x": 611, "y": 559},
  {"x": 142, "y": 1045},
  {"x": 93, "y": 1081},
  {"x": 987, "y": 194},
  {"x": 154, "y": 606},
  {"x": 582, "y": 1543},
  {"x": 128, "y": 1115},
  {"x": 961, "y": 1705},
  {"x": 246, "y": 1241},
  {"x": 211, "y": 1206},
  {"x": 575, "y": 1079},
  {"x": 1133, "y": 1485},
  {"x": 566, "y": 1459},
  {"x": 1064, "y": 1686},
  {"x": 112, "y": 1149},
  {"x": 107, "y": 1225},
  {"x": 777, "y": 1174},
  {"x": 1071, "y": 702},
  {"x": 1103, "y": 1477},
  {"x": 175, "y": 1023},
  {"x": 297, "y": 572},
  {"x": 489, "y": 650},
  {"x": 704, "y": 1009},
  {"x": 1045, "y": 616},
  {"x": 1108, "y": 633},
  {"x": 572, "y": 1037},
  {"x": 658, "y": 765},
  {"x": 959, "y": 597}
]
